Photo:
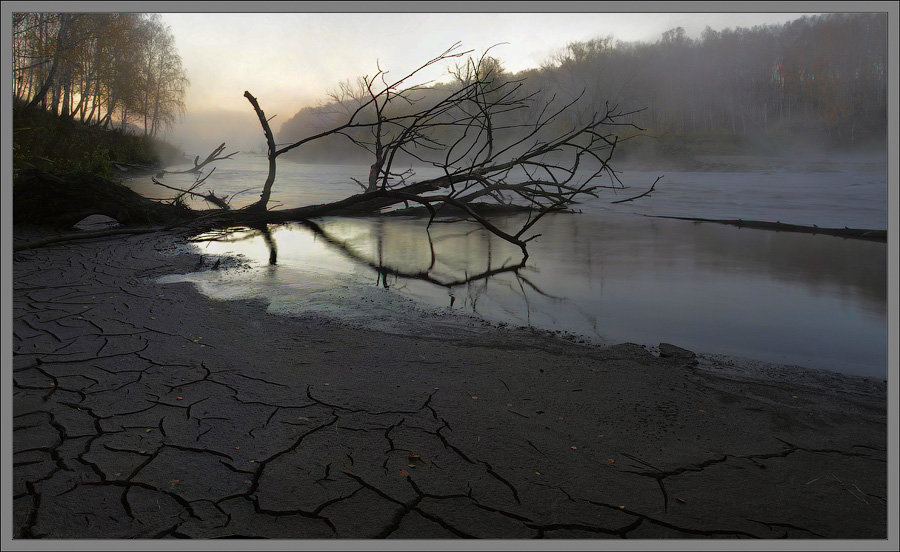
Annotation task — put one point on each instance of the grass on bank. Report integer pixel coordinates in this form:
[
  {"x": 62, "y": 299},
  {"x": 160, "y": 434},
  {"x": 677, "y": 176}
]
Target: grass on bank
[{"x": 47, "y": 142}]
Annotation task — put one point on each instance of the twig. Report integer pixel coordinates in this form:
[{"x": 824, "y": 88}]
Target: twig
[{"x": 642, "y": 195}]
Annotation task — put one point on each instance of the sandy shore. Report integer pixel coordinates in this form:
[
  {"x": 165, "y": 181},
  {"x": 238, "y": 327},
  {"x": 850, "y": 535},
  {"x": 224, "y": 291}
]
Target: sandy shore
[{"x": 147, "y": 410}]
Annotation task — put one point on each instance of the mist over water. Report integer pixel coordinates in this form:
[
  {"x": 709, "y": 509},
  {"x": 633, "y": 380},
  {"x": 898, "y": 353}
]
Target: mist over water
[
  {"x": 825, "y": 190},
  {"x": 608, "y": 273}
]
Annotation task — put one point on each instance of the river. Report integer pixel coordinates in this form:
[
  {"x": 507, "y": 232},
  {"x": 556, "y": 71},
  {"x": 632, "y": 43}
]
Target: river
[{"x": 609, "y": 274}]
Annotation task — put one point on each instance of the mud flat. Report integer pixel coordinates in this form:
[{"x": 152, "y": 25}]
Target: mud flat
[{"x": 146, "y": 410}]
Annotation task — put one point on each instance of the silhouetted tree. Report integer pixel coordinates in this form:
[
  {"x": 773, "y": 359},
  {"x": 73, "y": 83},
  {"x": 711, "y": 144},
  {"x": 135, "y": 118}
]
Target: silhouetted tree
[
  {"x": 99, "y": 67},
  {"x": 486, "y": 159}
]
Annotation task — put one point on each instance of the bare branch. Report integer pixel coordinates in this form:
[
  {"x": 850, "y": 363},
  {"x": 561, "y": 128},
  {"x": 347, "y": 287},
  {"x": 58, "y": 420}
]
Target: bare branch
[
  {"x": 641, "y": 195},
  {"x": 198, "y": 166}
]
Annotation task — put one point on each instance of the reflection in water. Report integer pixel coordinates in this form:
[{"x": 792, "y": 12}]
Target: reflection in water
[{"x": 815, "y": 301}]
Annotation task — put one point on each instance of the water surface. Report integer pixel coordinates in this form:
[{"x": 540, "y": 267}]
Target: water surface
[{"x": 608, "y": 273}]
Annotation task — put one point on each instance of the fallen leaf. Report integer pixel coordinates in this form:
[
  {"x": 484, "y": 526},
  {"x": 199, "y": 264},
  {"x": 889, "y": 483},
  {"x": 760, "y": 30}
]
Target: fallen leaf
[
  {"x": 176, "y": 481},
  {"x": 537, "y": 473},
  {"x": 148, "y": 430},
  {"x": 621, "y": 507},
  {"x": 236, "y": 448},
  {"x": 573, "y": 447},
  {"x": 413, "y": 457},
  {"x": 681, "y": 500},
  {"x": 404, "y": 473},
  {"x": 701, "y": 410},
  {"x": 611, "y": 460},
  {"x": 474, "y": 397},
  {"x": 179, "y": 398}
]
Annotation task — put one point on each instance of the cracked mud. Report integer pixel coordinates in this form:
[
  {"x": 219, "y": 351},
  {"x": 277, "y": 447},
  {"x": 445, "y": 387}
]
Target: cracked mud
[{"x": 146, "y": 410}]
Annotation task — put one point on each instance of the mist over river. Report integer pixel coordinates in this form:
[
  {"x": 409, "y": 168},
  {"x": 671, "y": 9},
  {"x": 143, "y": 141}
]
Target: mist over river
[{"x": 608, "y": 273}]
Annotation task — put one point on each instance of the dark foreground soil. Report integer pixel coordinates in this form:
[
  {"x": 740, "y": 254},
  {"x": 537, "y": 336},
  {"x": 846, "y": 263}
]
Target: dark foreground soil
[{"x": 143, "y": 410}]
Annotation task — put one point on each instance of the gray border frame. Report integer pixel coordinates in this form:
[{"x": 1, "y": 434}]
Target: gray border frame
[{"x": 893, "y": 322}]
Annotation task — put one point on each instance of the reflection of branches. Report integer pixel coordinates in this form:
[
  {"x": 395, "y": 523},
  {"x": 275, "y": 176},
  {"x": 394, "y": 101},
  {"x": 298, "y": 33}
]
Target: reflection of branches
[
  {"x": 270, "y": 243},
  {"x": 423, "y": 275},
  {"x": 238, "y": 234},
  {"x": 475, "y": 285}
]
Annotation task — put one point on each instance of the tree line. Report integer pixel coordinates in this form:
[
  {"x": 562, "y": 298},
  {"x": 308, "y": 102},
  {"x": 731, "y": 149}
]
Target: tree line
[
  {"x": 822, "y": 77},
  {"x": 104, "y": 69}
]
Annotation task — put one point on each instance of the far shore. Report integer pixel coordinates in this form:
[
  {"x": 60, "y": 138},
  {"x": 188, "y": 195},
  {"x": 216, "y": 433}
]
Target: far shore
[{"x": 147, "y": 410}]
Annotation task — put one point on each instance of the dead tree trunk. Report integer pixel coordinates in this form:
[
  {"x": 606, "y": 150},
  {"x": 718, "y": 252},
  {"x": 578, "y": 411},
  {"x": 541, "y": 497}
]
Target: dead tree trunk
[
  {"x": 476, "y": 135},
  {"x": 43, "y": 198}
]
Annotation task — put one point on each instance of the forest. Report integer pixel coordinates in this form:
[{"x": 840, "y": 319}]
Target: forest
[
  {"x": 818, "y": 79},
  {"x": 104, "y": 69}
]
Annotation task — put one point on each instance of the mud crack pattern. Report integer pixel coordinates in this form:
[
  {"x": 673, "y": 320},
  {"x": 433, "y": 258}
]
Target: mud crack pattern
[{"x": 144, "y": 410}]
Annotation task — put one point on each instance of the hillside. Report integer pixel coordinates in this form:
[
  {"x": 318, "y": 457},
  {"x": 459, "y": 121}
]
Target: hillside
[{"x": 59, "y": 145}]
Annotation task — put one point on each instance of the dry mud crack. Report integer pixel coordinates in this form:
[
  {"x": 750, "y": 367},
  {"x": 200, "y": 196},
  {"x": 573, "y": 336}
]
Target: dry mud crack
[{"x": 146, "y": 410}]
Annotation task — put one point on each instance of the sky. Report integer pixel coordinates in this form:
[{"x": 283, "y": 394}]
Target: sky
[{"x": 291, "y": 60}]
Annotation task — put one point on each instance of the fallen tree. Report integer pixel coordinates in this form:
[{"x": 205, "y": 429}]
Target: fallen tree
[{"x": 477, "y": 134}]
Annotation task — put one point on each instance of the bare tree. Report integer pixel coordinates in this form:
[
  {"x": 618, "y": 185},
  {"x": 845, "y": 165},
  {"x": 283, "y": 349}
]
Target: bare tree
[
  {"x": 475, "y": 133},
  {"x": 484, "y": 152}
]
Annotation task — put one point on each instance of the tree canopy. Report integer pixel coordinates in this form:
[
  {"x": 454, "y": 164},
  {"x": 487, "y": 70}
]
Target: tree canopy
[{"x": 101, "y": 68}]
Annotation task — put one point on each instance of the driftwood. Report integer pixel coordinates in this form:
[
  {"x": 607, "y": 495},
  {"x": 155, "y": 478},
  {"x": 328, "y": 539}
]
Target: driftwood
[
  {"x": 845, "y": 232},
  {"x": 215, "y": 155},
  {"x": 41, "y": 198},
  {"x": 474, "y": 134}
]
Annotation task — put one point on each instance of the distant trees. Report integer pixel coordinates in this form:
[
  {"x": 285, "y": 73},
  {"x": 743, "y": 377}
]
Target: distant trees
[
  {"x": 821, "y": 76},
  {"x": 99, "y": 68}
]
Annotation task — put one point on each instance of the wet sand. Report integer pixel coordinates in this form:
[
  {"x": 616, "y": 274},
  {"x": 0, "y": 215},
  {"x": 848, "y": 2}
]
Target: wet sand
[{"x": 143, "y": 410}]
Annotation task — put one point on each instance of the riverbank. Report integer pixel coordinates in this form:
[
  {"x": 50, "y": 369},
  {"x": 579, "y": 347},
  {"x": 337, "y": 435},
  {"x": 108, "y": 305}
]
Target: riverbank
[
  {"x": 147, "y": 410},
  {"x": 63, "y": 145}
]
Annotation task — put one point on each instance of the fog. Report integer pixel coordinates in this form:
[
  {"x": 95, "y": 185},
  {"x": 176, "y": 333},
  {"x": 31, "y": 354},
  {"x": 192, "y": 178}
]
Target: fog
[
  {"x": 814, "y": 83},
  {"x": 201, "y": 131}
]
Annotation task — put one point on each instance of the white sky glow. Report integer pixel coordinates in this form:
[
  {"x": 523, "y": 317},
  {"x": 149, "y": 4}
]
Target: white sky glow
[{"x": 289, "y": 60}]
